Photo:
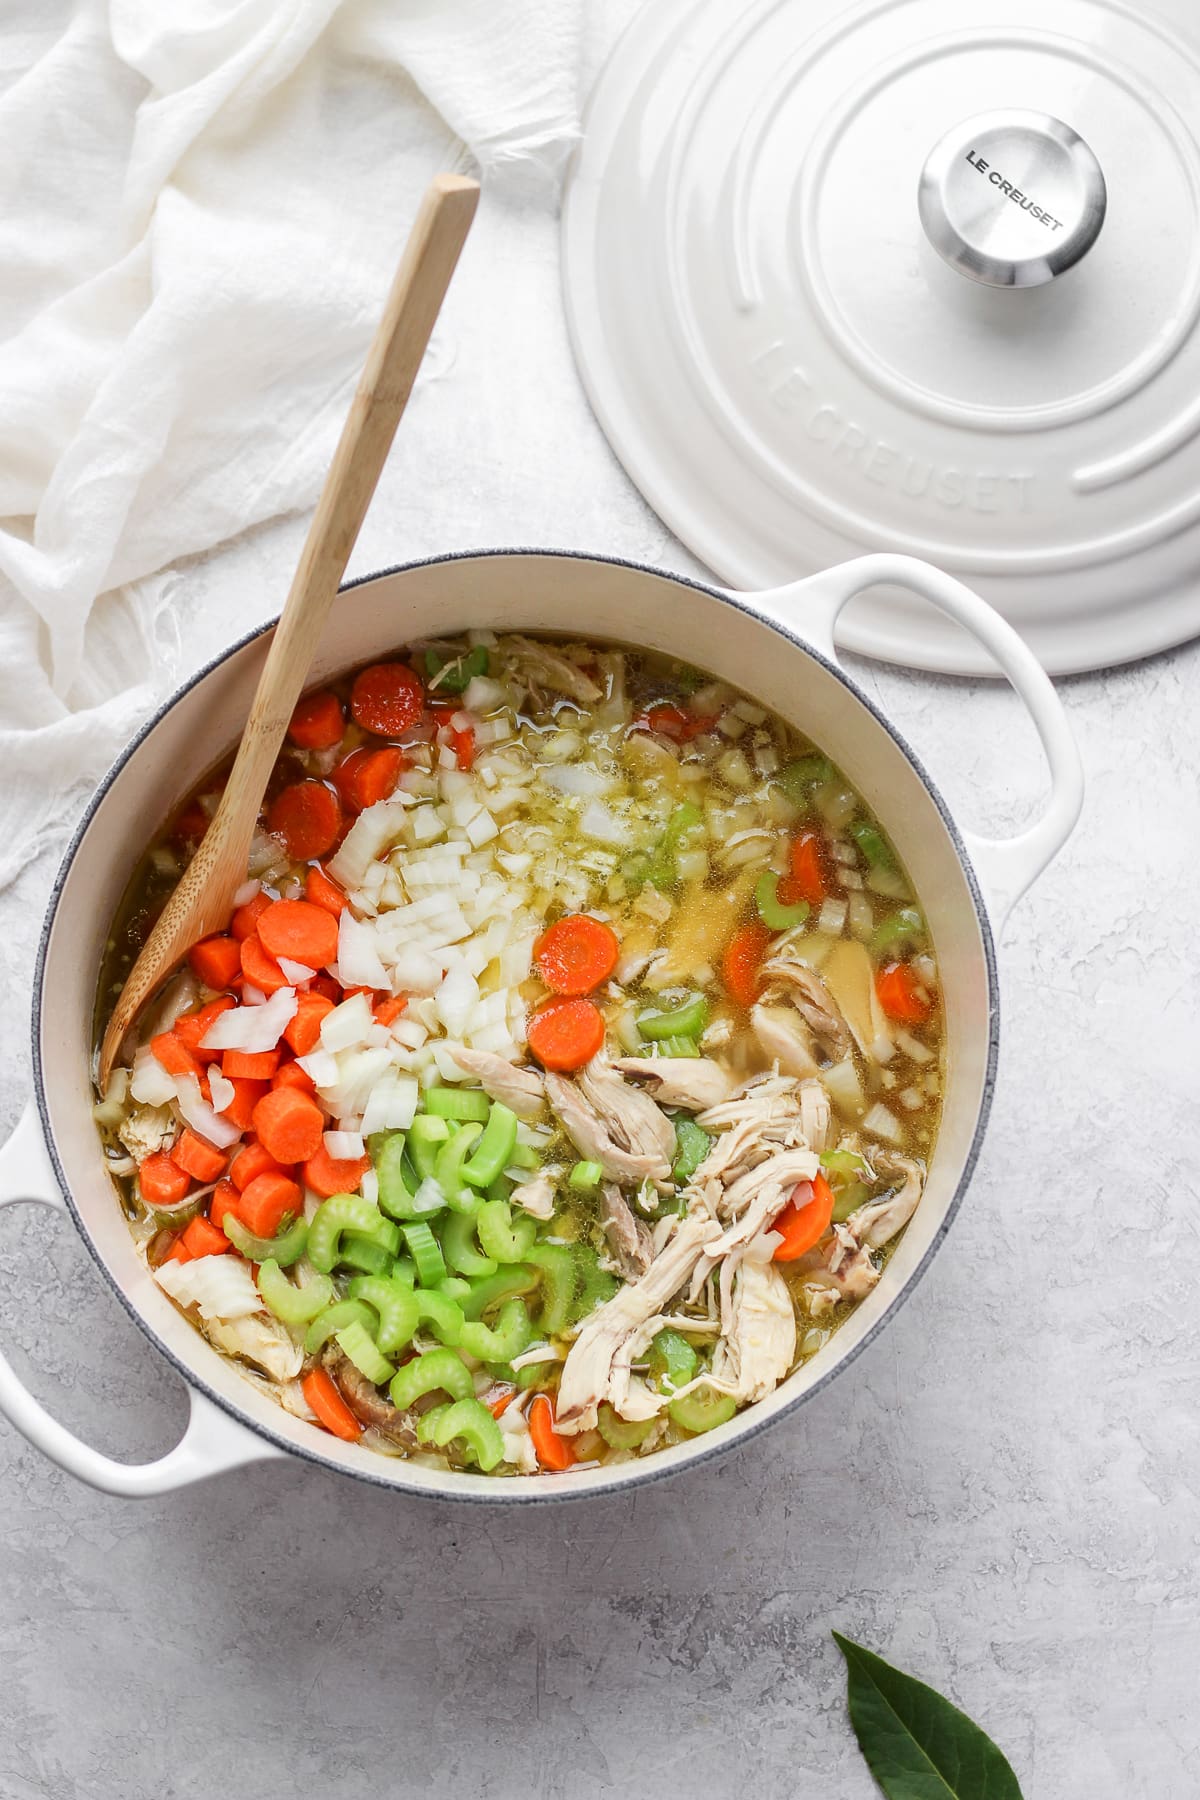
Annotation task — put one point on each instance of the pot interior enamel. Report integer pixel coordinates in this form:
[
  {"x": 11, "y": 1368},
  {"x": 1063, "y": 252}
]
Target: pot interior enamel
[{"x": 507, "y": 591}]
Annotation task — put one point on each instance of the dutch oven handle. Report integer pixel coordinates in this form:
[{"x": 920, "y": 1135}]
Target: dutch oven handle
[
  {"x": 1006, "y": 867},
  {"x": 212, "y": 1443}
]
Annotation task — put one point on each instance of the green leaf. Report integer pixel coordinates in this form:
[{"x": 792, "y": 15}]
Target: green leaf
[{"x": 919, "y": 1746}]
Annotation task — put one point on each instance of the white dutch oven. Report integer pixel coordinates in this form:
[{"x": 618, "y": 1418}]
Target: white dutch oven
[{"x": 779, "y": 647}]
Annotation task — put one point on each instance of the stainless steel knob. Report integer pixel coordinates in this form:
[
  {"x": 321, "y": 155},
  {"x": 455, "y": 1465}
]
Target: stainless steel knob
[{"x": 1012, "y": 198}]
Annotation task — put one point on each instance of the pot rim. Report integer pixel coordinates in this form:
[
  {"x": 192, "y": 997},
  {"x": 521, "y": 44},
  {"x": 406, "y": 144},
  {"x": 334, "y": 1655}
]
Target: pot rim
[{"x": 640, "y": 1472}]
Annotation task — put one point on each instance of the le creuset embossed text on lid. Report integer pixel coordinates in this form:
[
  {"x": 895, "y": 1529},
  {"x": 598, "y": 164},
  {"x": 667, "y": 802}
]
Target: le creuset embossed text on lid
[{"x": 921, "y": 276}]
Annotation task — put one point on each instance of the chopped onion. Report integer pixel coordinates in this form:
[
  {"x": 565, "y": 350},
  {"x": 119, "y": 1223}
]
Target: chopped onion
[
  {"x": 861, "y": 916},
  {"x": 220, "y": 1287},
  {"x": 482, "y": 695},
  {"x": 391, "y": 1103},
  {"x": 246, "y": 893},
  {"x": 359, "y": 963},
  {"x": 221, "y": 1089},
  {"x": 597, "y": 822},
  {"x": 582, "y": 779},
  {"x": 913, "y": 1048},
  {"x": 428, "y": 1198},
  {"x": 881, "y": 1123},
  {"x": 150, "y": 1082},
  {"x": 345, "y": 1146},
  {"x": 297, "y": 973},
  {"x": 371, "y": 833},
  {"x": 832, "y": 917},
  {"x": 911, "y": 1099},
  {"x": 456, "y": 999},
  {"x": 200, "y": 1116},
  {"x": 347, "y": 1024},
  {"x": 252, "y": 1028},
  {"x": 320, "y": 1066},
  {"x": 844, "y": 1088}
]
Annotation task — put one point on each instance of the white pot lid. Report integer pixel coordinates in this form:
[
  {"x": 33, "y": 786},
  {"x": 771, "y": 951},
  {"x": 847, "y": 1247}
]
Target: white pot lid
[{"x": 918, "y": 276}]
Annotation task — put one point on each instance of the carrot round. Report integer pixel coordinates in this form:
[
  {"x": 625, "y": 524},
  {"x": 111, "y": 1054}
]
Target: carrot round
[
  {"x": 742, "y": 962},
  {"x": 163, "y": 1182},
  {"x": 302, "y": 932},
  {"x": 203, "y": 1162},
  {"x": 214, "y": 961},
  {"x": 246, "y": 1096},
  {"x": 325, "y": 984},
  {"x": 190, "y": 1028},
  {"x": 389, "y": 1009},
  {"x": 224, "y": 1200},
  {"x": 265, "y": 1202},
  {"x": 565, "y": 1034},
  {"x": 331, "y": 1410},
  {"x": 576, "y": 954},
  {"x": 251, "y": 1161},
  {"x": 303, "y": 1029},
  {"x": 322, "y": 892},
  {"x": 903, "y": 995},
  {"x": 464, "y": 746},
  {"x": 174, "y": 1055},
  {"x": 261, "y": 970},
  {"x": 307, "y": 817},
  {"x": 202, "y": 1238},
  {"x": 367, "y": 776},
  {"x": 673, "y": 722},
  {"x": 289, "y": 1125},
  {"x": 553, "y": 1452},
  {"x": 318, "y": 721},
  {"x": 327, "y": 1175},
  {"x": 387, "y": 698},
  {"x": 808, "y": 875},
  {"x": 805, "y": 1219},
  {"x": 250, "y": 1065},
  {"x": 291, "y": 1075},
  {"x": 245, "y": 920}
]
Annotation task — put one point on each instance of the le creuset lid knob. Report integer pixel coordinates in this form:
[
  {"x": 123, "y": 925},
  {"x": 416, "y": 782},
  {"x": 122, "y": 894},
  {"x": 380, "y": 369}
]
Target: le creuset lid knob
[{"x": 922, "y": 277}]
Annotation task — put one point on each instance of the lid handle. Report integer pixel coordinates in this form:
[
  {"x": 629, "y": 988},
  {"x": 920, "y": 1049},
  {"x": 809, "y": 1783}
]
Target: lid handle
[{"x": 1012, "y": 198}]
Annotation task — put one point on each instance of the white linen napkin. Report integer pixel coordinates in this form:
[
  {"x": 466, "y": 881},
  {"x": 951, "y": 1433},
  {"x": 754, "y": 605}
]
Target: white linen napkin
[{"x": 203, "y": 204}]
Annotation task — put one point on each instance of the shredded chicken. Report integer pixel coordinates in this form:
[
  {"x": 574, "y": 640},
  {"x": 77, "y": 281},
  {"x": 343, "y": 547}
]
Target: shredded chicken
[
  {"x": 842, "y": 1264},
  {"x": 813, "y": 1001},
  {"x": 816, "y": 1117},
  {"x": 756, "y": 1351},
  {"x": 257, "y": 1340},
  {"x": 786, "y": 1038},
  {"x": 693, "y": 1082},
  {"x": 147, "y": 1129},
  {"x": 629, "y": 1238},
  {"x": 877, "y": 1222},
  {"x": 519, "y": 1089},
  {"x": 613, "y": 1124},
  {"x": 536, "y": 1197},
  {"x": 543, "y": 667}
]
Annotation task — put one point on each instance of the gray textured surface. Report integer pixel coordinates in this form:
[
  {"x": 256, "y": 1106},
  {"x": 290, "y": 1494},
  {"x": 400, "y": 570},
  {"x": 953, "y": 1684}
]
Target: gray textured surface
[{"x": 1000, "y": 1495}]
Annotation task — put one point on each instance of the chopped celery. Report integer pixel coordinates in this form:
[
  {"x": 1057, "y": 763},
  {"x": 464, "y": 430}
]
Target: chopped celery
[
  {"x": 396, "y": 1305},
  {"x": 692, "y": 1145},
  {"x": 459, "y": 1247},
  {"x": 511, "y": 1334},
  {"x": 426, "y": 1135},
  {"x": 671, "y": 1360},
  {"x": 456, "y": 1286},
  {"x": 285, "y": 1249},
  {"x": 687, "y": 1020},
  {"x": 524, "y": 1156},
  {"x": 426, "y": 1253},
  {"x": 647, "y": 1201},
  {"x": 848, "y": 1199},
  {"x": 441, "y": 1312},
  {"x": 703, "y": 1409},
  {"x": 873, "y": 844},
  {"x": 503, "y": 1238},
  {"x": 464, "y": 1104},
  {"x": 428, "y": 1422},
  {"x": 593, "y": 1285},
  {"x": 455, "y": 677},
  {"x": 558, "y": 1285},
  {"x": 622, "y": 1434},
  {"x": 771, "y": 910},
  {"x": 432, "y": 1372},
  {"x": 799, "y": 778},
  {"x": 661, "y": 867},
  {"x": 516, "y": 1278},
  {"x": 364, "y": 1254},
  {"x": 585, "y": 1176},
  {"x": 336, "y": 1318},
  {"x": 398, "y": 1180},
  {"x": 470, "y": 1423},
  {"x": 494, "y": 1149},
  {"x": 842, "y": 1162},
  {"x": 293, "y": 1305},
  {"x": 670, "y": 1046},
  {"x": 448, "y": 1170},
  {"x": 904, "y": 926},
  {"x": 355, "y": 1341},
  {"x": 349, "y": 1213}
]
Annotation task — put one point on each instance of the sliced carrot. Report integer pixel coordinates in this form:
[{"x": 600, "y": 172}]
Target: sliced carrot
[
  {"x": 903, "y": 995},
  {"x": 742, "y": 961},
  {"x": 201, "y": 1238},
  {"x": 291, "y": 1075},
  {"x": 249, "y": 1065},
  {"x": 174, "y": 1055},
  {"x": 246, "y": 1096},
  {"x": 808, "y": 873},
  {"x": 575, "y": 954},
  {"x": 367, "y": 776},
  {"x": 805, "y": 1219},
  {"x": 318, "y": 721},
  {"x": 214, "y": 961},
  {"x": 303, "y": 1029},
  {"x": 261, "y": 970},
  {"x": 327, "y": 1175},
  {"x": 289, "y": 1124},
  {"x": 332, "y": 1412},
  {"x": 245, "y": 920},
  {"x": 322, "y": 892},
  {"x": 671, "y": 721},
  {"x": 224, "y": 1200},
  {"x": 307, "y": 817},
  {"x": 178, "y": 1251},
  {"x": 565, "y": 1034},
  {"x": 250, "y": 1161},
  {"x": 500, "y": 1402},
  {"x": 302, "y": 932},
  {"x": 203, "y": 1162},
  {"x": 387, "y": 698},
  {"x": 325, "y": 984},
  {"x": 192, "y": 1027},
  {"x": 553, "y": 1452},
  {"x": 389, "y": 1009},
  {"x": 163, "y": 1182},
  {"x": 463, "y": 741},
  {"x": 265, "y": 1202}
]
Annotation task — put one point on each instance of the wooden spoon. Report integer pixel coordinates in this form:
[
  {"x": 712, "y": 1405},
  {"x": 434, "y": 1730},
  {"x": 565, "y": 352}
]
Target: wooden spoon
[{"x": 203, "y": 901}]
